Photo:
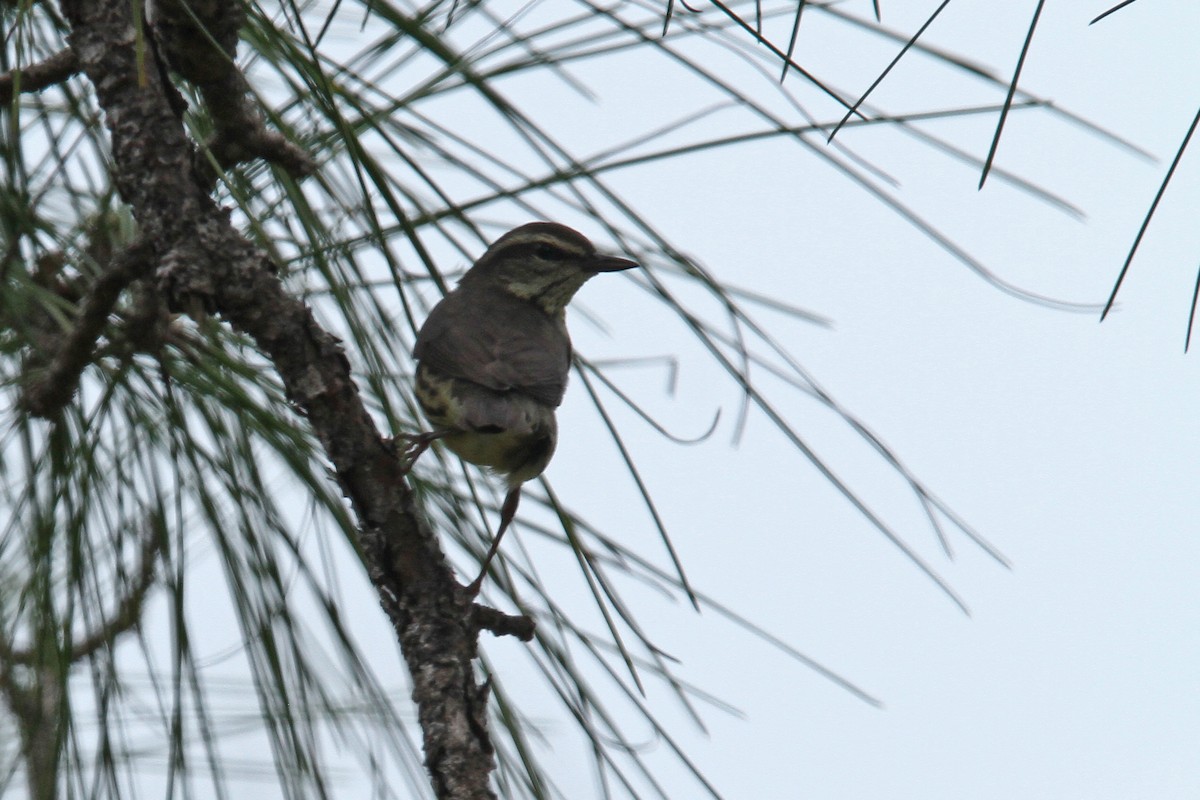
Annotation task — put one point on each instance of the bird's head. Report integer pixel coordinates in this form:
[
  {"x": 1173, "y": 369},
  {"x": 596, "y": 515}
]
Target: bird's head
[{"x": 542, "y": 262}]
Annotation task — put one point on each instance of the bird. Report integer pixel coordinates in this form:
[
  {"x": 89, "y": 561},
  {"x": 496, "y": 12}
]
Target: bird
[{"x": 493, "y": 355}]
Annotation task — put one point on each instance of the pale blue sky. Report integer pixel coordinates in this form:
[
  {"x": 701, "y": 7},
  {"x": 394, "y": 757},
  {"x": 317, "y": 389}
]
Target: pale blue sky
[{"x": 1071, "y": 445}]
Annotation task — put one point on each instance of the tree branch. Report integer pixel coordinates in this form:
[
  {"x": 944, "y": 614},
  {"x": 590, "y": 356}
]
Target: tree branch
[
  {"x": 129, "y": 610},
  {"x": 501, "y": 624},
  {"x": 55, "y": 69},
  {"x": 205, "y": 260},
  {"x": 199, "y": 41},
  {"x": 53, "y": 389},
  {"x": 127, "y": 613}
]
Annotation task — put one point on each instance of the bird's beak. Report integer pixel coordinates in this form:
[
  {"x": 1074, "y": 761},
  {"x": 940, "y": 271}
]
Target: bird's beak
[{"x": 605, "y": 263}]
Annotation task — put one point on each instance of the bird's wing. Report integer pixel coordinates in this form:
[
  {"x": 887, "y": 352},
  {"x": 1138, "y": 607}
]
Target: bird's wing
[{"x": 502, "y": 343}]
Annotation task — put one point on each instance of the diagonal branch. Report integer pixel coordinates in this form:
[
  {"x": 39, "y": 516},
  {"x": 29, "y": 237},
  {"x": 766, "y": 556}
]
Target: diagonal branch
[
  {"x": 54, "y": 387},
  {"x": 205, "y": 260},
  {"x": 128, "y": 612}
]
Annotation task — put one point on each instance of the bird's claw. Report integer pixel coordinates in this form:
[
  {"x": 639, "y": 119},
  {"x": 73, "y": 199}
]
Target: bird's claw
[{"x": 417, "y": 443}]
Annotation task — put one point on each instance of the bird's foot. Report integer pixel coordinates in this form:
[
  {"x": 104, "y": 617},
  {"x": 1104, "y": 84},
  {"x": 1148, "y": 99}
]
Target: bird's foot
[{"x": 416, "y": 444}]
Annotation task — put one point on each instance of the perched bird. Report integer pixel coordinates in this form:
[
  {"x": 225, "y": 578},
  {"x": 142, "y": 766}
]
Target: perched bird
[{"x": 493, "y": 356}]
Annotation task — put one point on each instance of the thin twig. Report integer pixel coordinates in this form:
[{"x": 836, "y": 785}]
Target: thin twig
[{"x": 129, "y": 610}]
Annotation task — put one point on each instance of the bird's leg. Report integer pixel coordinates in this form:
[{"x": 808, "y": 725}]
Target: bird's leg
[
  {"x": 418, "y": 443},
  {"x": 507, "y": 512}
]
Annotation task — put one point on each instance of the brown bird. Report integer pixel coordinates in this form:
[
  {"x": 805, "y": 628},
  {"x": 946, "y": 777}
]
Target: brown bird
[{"x": 493, "y": 356}]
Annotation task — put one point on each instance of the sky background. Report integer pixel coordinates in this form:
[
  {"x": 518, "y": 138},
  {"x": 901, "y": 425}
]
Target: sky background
[
  {"x": 1071, "y": 445},
  {"x": 1068, "y": 444}
]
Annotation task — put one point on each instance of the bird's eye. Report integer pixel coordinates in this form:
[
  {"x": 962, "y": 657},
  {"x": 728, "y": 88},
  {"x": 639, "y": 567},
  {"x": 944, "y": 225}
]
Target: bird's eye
[{"x": 549, "y": 252}]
